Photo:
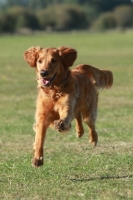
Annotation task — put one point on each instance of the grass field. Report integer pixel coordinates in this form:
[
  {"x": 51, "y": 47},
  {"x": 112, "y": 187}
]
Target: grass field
[{"x": 73, "y": 169}]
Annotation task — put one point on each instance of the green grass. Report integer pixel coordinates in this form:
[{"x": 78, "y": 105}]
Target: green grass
[{"x": 73, "y": 169}]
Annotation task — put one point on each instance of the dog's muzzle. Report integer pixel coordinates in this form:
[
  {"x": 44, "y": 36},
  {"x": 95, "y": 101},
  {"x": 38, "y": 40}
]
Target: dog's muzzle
[{"x": 47, "y": 82}]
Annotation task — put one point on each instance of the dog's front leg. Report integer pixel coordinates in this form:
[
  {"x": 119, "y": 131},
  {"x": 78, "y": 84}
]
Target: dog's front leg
[
  {"x": 40, "y": 129},
  {"x": 66, "y": 115},
  {"x": 64, "y": 123}
]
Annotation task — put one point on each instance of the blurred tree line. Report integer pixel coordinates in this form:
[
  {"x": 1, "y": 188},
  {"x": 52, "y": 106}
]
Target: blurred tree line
[{"x": 63, "y": 15}]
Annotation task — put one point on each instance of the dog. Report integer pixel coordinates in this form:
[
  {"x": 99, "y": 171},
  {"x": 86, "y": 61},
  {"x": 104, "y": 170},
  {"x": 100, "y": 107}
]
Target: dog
[{"x": 64, "y": 94}]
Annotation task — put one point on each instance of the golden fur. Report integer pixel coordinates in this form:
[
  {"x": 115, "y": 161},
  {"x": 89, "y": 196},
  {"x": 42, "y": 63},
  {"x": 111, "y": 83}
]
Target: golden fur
[{"x": 64, "y": 94}]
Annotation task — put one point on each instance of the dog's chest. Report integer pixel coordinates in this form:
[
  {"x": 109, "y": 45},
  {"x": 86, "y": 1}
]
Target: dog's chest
[
  {"x": 51, "y": 95},
  {"x": 50, "y": 104}
]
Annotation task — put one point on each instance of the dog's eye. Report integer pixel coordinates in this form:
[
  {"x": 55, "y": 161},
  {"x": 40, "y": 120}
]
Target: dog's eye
[
  {"x": 53, "y": 60},
  {"x": 40, "y": 61}
]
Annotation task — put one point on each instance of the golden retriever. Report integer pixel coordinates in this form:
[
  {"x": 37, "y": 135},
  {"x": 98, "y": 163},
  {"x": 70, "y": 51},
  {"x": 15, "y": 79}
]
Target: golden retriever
[{"x": 64, "y": 94}]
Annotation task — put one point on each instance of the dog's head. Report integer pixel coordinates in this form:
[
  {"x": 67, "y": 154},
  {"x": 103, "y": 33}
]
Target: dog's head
[{"x": 50, "y": 62}]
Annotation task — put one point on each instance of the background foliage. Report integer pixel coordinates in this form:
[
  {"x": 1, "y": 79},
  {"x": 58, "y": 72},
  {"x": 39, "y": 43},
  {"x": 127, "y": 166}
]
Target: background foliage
[{"x": 63, "y": 15}]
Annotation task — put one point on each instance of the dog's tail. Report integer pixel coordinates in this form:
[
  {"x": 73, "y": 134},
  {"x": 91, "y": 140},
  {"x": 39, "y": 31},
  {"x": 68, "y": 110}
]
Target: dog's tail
[{"x": 100, "y": 78}]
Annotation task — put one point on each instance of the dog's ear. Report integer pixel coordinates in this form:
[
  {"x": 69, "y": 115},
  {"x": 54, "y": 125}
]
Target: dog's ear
[
  {"x": 30, "y": 55},
  {"x": 68, "y": 55}
]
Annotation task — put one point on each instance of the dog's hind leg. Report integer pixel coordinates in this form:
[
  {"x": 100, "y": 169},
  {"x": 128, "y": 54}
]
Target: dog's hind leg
[
  {"x": 79, "y": 126},
  {"x": 93, "y": 135},
  {"x": 89, "y": 117}
]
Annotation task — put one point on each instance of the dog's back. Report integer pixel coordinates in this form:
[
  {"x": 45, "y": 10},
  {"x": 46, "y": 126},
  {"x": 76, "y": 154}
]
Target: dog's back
[{"x": 100, "y": 78}]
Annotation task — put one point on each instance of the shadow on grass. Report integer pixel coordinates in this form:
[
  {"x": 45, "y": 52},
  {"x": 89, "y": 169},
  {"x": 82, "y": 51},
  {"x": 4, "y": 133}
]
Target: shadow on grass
[{"x": 100, "y": 178}]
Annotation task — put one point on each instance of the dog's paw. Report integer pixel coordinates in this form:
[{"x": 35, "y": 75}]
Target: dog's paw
[
  {"x": 59, "y": 125},
  {"x": 93, "y": 141},
  {"x": 37, "y": 162},
  {"x": 93, "y": 138},
  {"x": 79, "y": 134}
]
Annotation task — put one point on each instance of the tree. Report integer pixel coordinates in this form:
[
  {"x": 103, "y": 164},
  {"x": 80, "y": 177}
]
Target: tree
[
  {"x": 63, "y": 17},
  {"x": 24, "y": 18},
  {"x": 10, "y": 3},
  {"x": 105, "y": 21},
  {"x": 7, "y": 22},
  {"x": 124, "y": 16},
  {"x": 63, "y": 14},
  {"x": 104, "y": 5},
  {"x": 39, "y": 4}
]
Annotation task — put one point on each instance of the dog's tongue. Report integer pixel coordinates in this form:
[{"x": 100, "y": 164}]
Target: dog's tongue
[{"x": 45, "y": 82}]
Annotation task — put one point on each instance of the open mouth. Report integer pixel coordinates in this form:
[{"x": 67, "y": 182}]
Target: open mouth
[{"x": 47, "y": 82}]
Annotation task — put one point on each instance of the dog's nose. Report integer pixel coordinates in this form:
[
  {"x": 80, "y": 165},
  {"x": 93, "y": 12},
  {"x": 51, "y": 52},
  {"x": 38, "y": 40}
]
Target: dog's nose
[{"x": 44, "y": 73}]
